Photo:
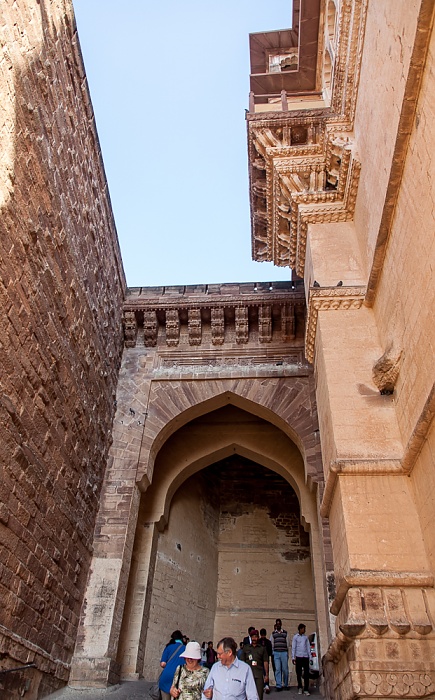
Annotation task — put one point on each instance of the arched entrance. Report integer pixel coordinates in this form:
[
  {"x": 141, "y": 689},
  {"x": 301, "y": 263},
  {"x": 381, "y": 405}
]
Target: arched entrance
[{"x": 227, "y": 535}]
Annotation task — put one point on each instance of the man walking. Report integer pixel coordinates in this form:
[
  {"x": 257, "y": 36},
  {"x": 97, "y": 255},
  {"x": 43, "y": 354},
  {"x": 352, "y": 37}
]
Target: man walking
[
  {"x": 230, "y": 678},
  {"x": 301, "y": 653},
  {"x": 279, "y": 640},
  {"x": 265, "y": 642},
  {"x": 255, "y": 655}
]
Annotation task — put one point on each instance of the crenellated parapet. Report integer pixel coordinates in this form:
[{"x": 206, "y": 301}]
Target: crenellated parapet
[{"x": 215, "y": 315}]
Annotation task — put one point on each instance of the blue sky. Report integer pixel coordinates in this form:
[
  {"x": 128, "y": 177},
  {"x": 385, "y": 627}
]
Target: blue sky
[{"x": 169, "y": 83}]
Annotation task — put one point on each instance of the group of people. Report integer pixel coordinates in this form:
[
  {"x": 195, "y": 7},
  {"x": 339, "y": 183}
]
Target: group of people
[
  {"x": 277, "y": 648},
  {"x": 201, "y": 673}
]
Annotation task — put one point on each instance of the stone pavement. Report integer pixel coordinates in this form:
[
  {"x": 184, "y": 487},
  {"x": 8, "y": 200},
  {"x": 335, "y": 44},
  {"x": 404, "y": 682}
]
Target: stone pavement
[{"x": 138, "y": 690}]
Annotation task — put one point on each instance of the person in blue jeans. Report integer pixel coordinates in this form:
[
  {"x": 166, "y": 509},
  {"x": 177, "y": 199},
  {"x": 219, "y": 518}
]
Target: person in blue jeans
[{"x": 280, "y": 648}]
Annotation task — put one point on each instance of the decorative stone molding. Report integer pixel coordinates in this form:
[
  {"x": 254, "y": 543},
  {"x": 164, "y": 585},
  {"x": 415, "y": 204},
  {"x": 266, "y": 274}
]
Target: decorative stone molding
[
  {"x": 326, "y": 299},
  {"x": 384, "y": 623},
  {"x": 393, "y": 684}
]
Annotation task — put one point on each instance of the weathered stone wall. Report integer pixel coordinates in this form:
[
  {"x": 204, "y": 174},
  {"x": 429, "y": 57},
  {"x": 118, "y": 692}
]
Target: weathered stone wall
[
  {"x": 264, "y": 553},
  {"x": 185, "y": 578},
  {"x": 234, "y": 554},
  {"x": 61, "y": 293}
]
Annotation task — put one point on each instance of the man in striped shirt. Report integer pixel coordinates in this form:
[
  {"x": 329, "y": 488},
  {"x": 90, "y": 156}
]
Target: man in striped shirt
[{"x": 280, "y": 647}]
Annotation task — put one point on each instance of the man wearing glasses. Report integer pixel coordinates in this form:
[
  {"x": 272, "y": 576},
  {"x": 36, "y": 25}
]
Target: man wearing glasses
[{"x": 230, "y": 678}]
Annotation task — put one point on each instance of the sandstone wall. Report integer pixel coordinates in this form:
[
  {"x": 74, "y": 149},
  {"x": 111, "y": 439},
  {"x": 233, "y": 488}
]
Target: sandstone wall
[
  {"x": 388, "y": 42},
  {"x": 406, "y": 299},
  {"x": 185, "y": 578},
  {"x": 61, "y": 292},
  {"x": 264, "y": 554}
]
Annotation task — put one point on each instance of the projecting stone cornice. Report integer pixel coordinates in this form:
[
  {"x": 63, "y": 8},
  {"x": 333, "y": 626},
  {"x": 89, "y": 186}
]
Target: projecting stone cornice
[
  {"x": 302, "y": 171},
  {"x": 329, "y": 299},
  {"x": 238, "y": 313},
  {"x": 303, "y": 163}
]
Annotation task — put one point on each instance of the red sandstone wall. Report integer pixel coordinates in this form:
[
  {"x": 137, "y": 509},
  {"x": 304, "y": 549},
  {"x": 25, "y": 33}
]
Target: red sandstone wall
[{"x": 61, "y": 291}]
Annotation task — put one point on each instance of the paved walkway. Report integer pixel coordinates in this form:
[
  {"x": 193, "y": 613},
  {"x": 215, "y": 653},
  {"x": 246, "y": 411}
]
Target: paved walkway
[{"x": 138, "y": 690}]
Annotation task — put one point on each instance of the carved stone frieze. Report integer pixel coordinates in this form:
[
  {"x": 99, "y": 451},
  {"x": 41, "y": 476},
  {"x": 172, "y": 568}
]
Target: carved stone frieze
[
  {"x": 194, "y": 326},
  {"x": 242, "y": 324},
  {"x": 325, "y": 299},
  {"x": 150, "y": 328},
  {"x": 400, "y": 616},
  {"x": 172, "y": 327},
  {"x": 130, "y": 329},
  {"x": 264, "y": 324},
  {"x": 400, "y": 684}
]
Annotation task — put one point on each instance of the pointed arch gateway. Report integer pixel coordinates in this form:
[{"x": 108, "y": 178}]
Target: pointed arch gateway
[
  {"x": 188, "y": 448},
  {"x": 187, "y": 406}
]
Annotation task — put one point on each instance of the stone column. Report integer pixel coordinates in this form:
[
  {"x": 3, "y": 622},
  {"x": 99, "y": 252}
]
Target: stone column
[{"x": 95, "y": 661}]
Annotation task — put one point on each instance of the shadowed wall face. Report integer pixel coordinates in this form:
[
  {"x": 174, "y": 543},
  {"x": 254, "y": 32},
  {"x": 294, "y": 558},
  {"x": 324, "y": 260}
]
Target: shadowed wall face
[
  {"x": 234, "y": 554},
  {"x": 61, "y": 291}
]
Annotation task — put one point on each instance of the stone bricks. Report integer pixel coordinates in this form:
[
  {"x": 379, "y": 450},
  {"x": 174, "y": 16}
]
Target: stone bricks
[{"x": 60, "y": 342}]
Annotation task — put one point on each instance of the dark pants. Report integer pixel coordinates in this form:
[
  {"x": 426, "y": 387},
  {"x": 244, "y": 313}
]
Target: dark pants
[
  {"x": 259, "y": 684},
  {"x": 303, "y": 664}
]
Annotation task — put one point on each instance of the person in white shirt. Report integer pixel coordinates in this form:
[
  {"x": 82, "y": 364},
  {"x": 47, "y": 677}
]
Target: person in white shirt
[
  {"x": 301, "y": 653},
  {"x": 230, "y": 678}
]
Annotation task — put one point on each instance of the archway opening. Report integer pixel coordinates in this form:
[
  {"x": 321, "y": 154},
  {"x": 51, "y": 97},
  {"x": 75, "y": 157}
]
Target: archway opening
[{"x": 227, "y": 537}]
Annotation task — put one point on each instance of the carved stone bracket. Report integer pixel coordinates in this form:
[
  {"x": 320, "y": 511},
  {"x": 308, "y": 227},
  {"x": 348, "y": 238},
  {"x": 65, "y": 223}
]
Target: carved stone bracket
[
  {"x": 288, "y": 322},
  {"x": 194, "y": 326},
  {"x": 325, "y": 299},
  {"x": 265, "y": 324},
  {"x": 242, "y": 325},
  {"x": 293, "y": 186},
  {"x": 217, "y": 326},
  {"x": 210, "y": 315},
  {"x": 150, "y": 328},
  {"x": 130, "y": 329},
  {"x": 172, "y": 327}
]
